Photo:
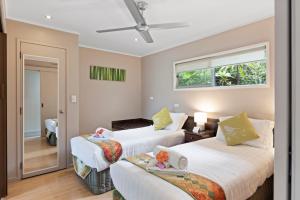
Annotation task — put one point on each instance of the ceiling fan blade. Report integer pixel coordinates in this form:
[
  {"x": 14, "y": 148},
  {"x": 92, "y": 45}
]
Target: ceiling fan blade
[
  {"x": 146, "y": 35},
  {"x": 135, "y": 12},
  {"x": 116, "y": 29},
  {"x": 168, "y": 25}
]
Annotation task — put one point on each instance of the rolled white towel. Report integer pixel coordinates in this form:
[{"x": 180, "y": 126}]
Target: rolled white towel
[
  {"x": 170, "y": 171},
  {"x": 176, "y": 160}
]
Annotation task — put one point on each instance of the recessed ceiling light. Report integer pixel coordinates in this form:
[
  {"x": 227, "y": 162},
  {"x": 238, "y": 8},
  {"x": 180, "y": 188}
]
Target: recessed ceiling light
[
  {"x": 136, "y": 39},
  {"x": 48, "y": 17}
]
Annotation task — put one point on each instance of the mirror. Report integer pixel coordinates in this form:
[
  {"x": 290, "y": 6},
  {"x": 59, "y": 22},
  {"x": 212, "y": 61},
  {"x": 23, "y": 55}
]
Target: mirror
[{"x": 40, "y": 115}]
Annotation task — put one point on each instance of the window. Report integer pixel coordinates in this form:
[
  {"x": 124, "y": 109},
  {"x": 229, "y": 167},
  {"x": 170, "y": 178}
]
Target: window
[{"x": 244, "y": 67}]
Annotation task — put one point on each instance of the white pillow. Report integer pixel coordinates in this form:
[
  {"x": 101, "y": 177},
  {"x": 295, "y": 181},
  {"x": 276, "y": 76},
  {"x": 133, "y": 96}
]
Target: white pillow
[
  {"x": 178, "y": 121},
  {"x": 264, "y": 129}
]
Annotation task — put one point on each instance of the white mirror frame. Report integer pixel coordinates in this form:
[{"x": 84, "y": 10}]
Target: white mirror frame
[{"x": 43, "y": 59}]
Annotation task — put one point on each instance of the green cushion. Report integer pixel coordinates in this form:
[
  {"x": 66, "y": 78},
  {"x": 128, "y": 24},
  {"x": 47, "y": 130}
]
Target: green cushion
[
  {"x": 238, "y": 130},
  {"x": 162, "y": 119}
]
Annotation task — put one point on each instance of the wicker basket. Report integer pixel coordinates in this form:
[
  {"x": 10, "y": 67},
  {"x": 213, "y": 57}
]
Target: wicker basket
[{"x": 98, "y": 182}]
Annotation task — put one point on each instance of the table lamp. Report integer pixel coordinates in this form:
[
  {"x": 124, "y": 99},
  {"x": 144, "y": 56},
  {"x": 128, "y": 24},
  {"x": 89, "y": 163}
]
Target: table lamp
[{"x": 200, "y": 118}]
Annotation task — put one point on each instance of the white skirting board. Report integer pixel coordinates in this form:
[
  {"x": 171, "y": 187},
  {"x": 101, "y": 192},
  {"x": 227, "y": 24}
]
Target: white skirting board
[{"x": 32, "y": 133}]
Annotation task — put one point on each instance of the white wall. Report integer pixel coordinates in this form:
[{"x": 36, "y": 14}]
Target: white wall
[{"x": 32, "y": 107}]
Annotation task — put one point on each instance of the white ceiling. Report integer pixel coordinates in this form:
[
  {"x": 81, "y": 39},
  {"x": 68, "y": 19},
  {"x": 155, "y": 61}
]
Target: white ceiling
[{"x": 206, "y": 17}]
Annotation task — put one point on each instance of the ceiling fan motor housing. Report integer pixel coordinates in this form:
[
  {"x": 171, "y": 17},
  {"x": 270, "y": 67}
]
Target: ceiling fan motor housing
[
  {"x": 142, "y": 5},
  {"x": 142, "y": 27}
]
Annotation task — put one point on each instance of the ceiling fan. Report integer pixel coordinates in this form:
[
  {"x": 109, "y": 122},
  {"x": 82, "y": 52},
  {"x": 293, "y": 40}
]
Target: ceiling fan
[{"x": 137, "y": 9}]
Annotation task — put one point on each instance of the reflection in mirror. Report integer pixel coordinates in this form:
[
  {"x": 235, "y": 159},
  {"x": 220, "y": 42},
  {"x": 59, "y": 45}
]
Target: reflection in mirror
[{"x": 40, "y": 124}]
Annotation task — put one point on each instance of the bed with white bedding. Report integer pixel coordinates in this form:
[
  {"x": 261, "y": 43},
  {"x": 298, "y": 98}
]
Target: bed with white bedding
[
  {"x": 133, "y": 141},
  {"x": 51, "y": 125},
  {"x": 239, "y": 170},
  {"x": 51, "y": 131}
]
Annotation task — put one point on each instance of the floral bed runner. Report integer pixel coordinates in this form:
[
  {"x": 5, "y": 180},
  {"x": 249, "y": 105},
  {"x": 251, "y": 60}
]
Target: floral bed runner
[
  {"x": 112, "y": 149},
  {"x": 198, "y": 187}
]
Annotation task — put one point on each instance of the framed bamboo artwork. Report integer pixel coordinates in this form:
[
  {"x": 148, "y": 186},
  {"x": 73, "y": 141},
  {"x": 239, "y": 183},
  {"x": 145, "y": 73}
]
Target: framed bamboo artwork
[{"x": 107, "y": 74}]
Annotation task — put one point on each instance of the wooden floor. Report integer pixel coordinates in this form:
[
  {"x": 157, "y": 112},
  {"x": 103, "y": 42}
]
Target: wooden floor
[
  {"x": 38, "y": 154},
  {"x": 62, "y": 185}
]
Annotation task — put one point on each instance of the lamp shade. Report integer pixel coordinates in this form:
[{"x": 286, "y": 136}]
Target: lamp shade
[{"x": 200, "y": 118}]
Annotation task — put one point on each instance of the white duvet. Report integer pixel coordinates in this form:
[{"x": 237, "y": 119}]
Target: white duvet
[
  {"x": 133, "y": 141},
  {"x": 239, "y": 170},
  {"x": 52, "y": 126}
]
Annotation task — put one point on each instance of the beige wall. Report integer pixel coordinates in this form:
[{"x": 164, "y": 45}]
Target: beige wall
[
  {"x": 104, "y": 101},
  {"x": 18, "y": 30},
  {"x": 157, "y": 76},
  {"x": 49, "y": 95}
]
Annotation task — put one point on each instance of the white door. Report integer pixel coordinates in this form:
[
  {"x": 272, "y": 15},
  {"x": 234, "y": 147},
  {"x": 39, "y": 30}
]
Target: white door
[
  {"x": 282, "y": 100},
  {"x": 295, "y": 99},
  {"x": 49, "y": 57}
]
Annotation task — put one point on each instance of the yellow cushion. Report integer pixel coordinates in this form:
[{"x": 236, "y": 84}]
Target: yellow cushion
[
  {"x": 238, "y": 130},
  {"x": 162, "y": 119}
]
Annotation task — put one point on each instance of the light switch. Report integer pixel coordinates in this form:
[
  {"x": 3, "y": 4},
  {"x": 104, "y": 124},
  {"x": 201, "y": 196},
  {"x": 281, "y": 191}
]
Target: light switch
[
  {"x": 74, "y": 99},
  {"x": 176, "y": 105},
  {"x": 151, "y": 98}
]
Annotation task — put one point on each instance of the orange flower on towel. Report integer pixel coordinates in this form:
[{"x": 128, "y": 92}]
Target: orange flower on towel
[{"x": 162, "y": 156}]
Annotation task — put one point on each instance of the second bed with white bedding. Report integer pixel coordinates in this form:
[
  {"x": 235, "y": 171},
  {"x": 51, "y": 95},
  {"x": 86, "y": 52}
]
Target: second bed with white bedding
[
  {"x": 239, "y": 170},
  {"x": 133, "y": 141}
]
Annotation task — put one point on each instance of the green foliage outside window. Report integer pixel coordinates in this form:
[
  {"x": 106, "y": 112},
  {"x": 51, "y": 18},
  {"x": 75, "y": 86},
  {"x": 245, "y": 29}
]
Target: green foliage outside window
[
  {"x": 252, "y": 73},
  {"x": 201, "y": 78}
]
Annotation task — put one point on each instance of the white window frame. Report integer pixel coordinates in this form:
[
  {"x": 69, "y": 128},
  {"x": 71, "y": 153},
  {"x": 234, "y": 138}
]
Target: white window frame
[{"x": 267, "y": 85}]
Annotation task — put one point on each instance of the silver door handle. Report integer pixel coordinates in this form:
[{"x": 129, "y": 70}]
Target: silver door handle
[{"x": 61, "y": 112}]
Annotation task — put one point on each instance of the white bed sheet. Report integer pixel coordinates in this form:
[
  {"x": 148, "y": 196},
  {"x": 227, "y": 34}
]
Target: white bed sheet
[
  {"x": 133, "y": 141},
  {"x": 51, "y": 125},
  {"x": 239, "y": 170}
]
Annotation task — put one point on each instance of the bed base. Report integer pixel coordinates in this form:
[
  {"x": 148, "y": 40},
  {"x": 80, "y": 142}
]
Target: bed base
[
  {"x": 117, "y": 195},
  {"x": 264, "y": 192},
  {"x": 52, "y": 140},
  {"x": 98, "y": 182}
]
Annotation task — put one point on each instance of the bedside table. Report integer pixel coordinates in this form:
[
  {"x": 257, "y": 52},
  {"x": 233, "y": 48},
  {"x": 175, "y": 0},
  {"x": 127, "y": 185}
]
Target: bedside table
[{"x": 191, "y": 137}]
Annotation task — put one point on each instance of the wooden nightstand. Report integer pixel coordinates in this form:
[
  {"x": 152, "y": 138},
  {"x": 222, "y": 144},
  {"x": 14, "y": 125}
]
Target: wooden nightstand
[{"x": 191, "y": 137}]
